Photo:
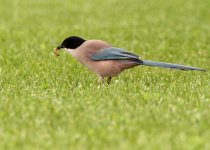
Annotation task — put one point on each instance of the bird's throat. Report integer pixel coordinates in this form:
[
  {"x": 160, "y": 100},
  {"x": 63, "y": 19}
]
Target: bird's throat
[{"x": 71, "y": 51}]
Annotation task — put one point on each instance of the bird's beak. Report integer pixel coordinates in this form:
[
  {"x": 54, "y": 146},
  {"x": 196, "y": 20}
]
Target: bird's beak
[{"x": 55, "y": 50}]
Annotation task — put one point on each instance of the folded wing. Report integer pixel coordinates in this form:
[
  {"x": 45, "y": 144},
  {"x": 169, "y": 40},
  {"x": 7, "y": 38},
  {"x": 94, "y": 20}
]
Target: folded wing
[{"x": 113, "y": 54}]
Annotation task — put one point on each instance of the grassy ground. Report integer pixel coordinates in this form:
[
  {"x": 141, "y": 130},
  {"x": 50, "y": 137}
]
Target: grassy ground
[{"x": 49, "y": 102}]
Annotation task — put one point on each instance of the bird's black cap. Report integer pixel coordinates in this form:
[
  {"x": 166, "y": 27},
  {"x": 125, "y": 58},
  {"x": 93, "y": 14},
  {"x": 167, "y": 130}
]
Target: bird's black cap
[{"x": 71, "y": 42}]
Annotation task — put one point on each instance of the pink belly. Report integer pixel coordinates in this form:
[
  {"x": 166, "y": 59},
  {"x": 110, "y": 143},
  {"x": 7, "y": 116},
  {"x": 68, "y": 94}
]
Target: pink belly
[{"x": 109, "y": 68}]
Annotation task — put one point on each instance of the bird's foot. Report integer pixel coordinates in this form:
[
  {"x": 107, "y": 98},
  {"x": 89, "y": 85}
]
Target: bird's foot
[{"x": 101, "y": 80}]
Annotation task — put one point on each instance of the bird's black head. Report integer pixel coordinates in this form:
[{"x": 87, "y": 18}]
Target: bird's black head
[{"x": 71, "y": 42}]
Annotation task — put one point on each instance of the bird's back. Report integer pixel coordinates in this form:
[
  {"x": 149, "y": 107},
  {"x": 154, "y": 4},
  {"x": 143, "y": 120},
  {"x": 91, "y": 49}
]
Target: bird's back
[{"x": 88, "y": 48}]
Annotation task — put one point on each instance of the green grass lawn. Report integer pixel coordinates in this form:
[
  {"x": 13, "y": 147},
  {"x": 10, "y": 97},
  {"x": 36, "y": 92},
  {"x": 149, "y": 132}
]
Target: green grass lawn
[{"x": 49, "y": 102}]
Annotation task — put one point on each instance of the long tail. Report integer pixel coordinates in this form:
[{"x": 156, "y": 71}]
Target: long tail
[{"x": 168, "y": 65}]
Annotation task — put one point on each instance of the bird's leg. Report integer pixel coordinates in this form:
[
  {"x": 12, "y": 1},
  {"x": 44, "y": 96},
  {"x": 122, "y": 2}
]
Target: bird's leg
[
  {"x": 100, "y": 79},
  {"x": 109, "y": 80}
]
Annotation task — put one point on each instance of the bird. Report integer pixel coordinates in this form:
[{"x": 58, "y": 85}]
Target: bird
[{"x": 107, "y": 61}]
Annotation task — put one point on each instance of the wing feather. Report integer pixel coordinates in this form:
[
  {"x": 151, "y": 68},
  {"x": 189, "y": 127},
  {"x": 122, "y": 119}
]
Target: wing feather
[{"x": 113, "y": 54}]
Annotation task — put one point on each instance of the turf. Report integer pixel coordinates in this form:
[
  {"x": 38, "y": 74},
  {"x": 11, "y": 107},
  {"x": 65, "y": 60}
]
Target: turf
[{"x": 49, "y": 102}]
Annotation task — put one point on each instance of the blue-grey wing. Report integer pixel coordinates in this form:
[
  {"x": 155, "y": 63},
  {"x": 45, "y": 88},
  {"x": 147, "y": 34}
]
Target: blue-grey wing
[{"x": 113, "y": 54}]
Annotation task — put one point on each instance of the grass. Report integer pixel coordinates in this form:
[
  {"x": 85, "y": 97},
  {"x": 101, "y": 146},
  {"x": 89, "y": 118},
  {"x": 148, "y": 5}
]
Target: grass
[{"x": 49, "y": 102}]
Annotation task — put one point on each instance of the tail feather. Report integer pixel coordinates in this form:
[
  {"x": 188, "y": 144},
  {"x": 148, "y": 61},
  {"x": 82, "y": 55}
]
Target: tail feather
[{"x": 168, "y": 65}]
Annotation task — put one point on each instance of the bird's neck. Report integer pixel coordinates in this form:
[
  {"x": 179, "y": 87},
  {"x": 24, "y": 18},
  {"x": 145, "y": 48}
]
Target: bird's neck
[{"x": 71, "y": 51}]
